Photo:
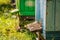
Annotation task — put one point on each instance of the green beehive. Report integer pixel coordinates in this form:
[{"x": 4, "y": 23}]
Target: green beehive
[{"x": 26, "y": 7}]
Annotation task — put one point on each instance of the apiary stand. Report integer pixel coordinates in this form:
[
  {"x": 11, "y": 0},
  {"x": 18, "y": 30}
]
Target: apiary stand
[{"x": 40, "y": 19}]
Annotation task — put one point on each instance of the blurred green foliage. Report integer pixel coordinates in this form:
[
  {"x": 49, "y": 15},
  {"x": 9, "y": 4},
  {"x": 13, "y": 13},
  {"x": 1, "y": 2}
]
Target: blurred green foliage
[
  {"x": 5, "y": 1},
  {"x": 9, "y": 22},
  {"x": 5, "y": 6}
]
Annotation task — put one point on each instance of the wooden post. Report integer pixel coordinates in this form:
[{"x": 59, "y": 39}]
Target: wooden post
[{"x": 40, "y": 37}]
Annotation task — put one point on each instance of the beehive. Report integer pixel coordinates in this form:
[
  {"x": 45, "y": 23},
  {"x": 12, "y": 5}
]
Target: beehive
[{"x": 26, "y": 7}]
